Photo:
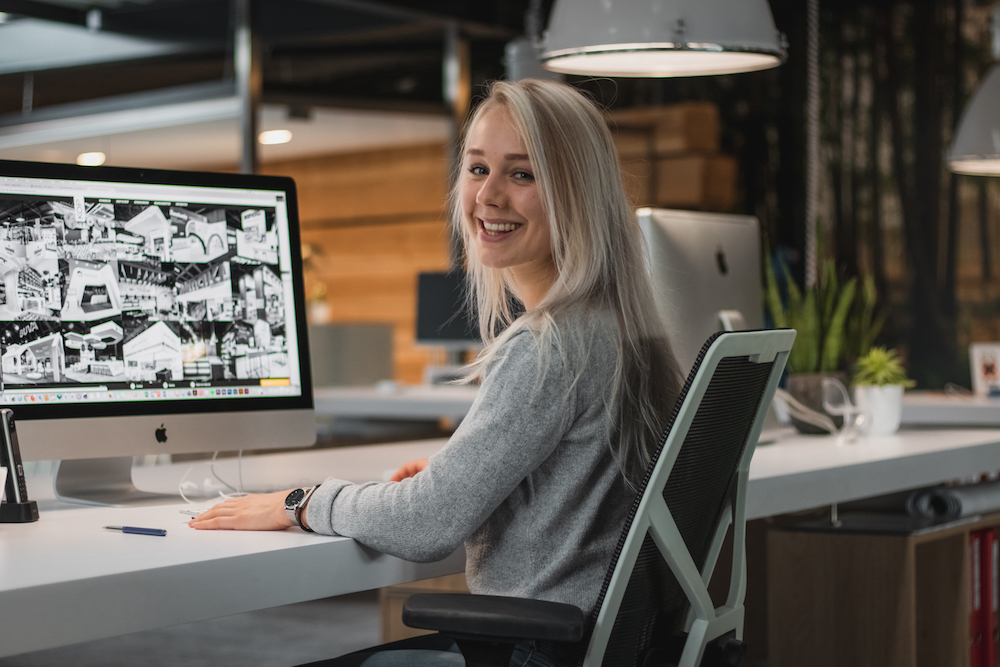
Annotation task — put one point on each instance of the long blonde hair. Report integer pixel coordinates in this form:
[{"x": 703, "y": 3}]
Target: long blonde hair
[{"x": 598, "y": 252}]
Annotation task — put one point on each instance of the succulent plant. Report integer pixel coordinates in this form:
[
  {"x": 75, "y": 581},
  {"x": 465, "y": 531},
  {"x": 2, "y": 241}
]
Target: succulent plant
[{"x": 880, "y": 367}]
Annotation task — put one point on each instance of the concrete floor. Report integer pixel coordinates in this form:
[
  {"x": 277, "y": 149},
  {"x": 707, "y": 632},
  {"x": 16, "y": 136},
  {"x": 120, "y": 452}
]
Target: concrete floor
[{"x": 278, "y": 637}]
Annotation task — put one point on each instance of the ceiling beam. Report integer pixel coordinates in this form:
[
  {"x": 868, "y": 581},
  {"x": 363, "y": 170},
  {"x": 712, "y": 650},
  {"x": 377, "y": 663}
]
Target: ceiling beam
[
  {"x": 299, "y": 99},
  {"x": 197, "y": 92},
  {"x": 44, "y": 11},
  {"x": 390, "y": 11}
]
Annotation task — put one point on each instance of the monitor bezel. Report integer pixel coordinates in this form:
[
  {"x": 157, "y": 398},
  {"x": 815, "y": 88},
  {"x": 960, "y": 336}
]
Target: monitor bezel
[{"x": 222, "y": 180}]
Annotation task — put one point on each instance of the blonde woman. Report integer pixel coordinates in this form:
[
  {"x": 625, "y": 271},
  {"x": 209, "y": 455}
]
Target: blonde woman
[{"x": 538, "y": 478}]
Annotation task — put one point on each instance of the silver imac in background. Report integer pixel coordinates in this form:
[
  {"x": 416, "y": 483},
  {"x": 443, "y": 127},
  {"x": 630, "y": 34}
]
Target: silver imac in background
[
  {"x": 706, "y": 275},
  {"x": 149, "y": 312}
]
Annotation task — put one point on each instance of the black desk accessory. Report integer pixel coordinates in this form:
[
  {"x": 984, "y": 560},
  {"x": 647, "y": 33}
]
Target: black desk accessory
[{"x": 16, "y": 508}]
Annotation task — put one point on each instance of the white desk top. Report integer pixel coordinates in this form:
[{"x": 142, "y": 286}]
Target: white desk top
[
  {"x": 64, "y": 580},
  {"x": 395, "y": 401},
  {"x": 936, "y": 408},
  {"x": 801, "y": 472}
]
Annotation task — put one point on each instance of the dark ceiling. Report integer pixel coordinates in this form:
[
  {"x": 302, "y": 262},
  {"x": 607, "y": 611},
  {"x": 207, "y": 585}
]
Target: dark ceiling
[{"x": 347, "y": 53}]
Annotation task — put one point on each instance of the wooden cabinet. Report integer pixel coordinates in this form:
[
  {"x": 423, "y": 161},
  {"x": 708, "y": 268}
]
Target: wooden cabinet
[
  {"x": 392, "y": 598},
  {"x": 837, "y": 598}
]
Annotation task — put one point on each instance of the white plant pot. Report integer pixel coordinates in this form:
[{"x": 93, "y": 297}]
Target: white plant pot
[{"x": 881, "y": 406}]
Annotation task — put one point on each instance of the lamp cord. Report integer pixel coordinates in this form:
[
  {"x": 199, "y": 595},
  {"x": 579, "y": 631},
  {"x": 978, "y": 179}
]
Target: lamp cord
[{"x": 812, "y": 135}]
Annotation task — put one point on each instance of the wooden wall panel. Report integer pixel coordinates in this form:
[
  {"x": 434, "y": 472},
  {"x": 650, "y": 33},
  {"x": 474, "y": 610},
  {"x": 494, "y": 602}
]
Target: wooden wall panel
[
  {"x": 670, "y": 157},
  {"x": 369, "y": 186},
  {"x": 370, "y": 275},
  {"x": 374, "y": 220}
]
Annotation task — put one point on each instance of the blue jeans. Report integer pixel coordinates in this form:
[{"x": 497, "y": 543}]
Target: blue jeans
[
  {"x": 438, "y": 651},
  {"x": 526, "y": 654}
]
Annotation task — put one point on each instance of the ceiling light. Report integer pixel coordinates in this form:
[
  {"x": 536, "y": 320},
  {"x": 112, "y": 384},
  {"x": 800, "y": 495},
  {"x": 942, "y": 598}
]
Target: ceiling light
[
  {"x": 661, "y": 38},
  {"x": 976, "y": 148},
  {"x": 271, "y": 137},
  {"x": 95, "y": 159}
]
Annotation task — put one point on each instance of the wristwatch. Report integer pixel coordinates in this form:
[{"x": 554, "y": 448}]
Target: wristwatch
[{"x": 294, "y": 503}]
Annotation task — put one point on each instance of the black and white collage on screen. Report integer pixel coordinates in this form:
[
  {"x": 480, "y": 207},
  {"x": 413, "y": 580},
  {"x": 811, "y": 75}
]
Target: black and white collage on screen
[{"x": 131, "y": 293}]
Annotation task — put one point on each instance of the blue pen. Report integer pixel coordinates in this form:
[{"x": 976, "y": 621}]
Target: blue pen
[{"x": 160, "y": 532}]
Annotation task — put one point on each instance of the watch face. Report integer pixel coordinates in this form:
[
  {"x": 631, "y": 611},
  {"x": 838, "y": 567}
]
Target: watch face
[{"x": 294, "y": 498}]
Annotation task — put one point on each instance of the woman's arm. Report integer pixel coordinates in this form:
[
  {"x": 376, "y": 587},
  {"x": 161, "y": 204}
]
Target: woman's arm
[
  {"x": 513, "y": 426},
  {"x": 267, "y": 511}
]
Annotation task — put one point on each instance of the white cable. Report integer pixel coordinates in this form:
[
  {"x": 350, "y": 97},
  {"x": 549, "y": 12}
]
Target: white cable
[
  {"x": 805, "y": 414},
  {"x": 215, "y": 473},
  {"x": 238, "y": 490},
  {"x": 239, "y": 471},
  {"x": 180, "y": 487}
]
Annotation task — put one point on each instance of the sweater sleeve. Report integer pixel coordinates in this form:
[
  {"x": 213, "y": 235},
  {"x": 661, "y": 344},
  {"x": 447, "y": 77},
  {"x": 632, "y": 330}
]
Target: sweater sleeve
[{"x": 515, "y": 423}]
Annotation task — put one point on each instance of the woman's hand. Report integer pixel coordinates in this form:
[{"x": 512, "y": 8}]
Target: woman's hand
[
  {"x": 263, "y": 511},
  {"x": 409, "y": 470}
]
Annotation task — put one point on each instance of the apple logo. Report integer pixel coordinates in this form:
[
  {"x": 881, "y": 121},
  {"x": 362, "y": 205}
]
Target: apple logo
[
  {"x": 720, "y": 259},
  {"x": 161, "y": 434}
]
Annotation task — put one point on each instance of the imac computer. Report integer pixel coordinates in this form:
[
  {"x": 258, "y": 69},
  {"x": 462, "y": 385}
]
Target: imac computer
[
  {"x": 706, "y": 275},
  {"x": 149, "y": 312}
]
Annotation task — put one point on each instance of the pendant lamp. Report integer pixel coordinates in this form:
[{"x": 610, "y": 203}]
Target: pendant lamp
[
  {"x": 976, "y": 149},
  {"x": 661, "y": 38}
]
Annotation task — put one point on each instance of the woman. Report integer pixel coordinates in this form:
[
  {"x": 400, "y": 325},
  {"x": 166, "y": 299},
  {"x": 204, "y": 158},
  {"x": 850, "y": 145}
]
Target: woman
[{"x": 538, "y": 478}]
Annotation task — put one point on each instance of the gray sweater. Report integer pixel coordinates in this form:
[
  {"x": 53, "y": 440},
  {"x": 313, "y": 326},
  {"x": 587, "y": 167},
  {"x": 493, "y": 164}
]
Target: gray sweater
[{"x": 527, "y": 482}]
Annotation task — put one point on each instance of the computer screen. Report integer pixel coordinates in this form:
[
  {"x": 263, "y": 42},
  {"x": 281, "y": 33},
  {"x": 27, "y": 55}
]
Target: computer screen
[
  {"x": 706, "y": 274},
  {"x": 442, "y": 315},
  {"x": 147, "y": 312}
]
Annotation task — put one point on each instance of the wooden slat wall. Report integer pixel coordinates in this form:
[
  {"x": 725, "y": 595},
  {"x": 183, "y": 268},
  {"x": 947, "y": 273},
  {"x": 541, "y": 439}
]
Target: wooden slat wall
[{"x": 376, "y": 220}]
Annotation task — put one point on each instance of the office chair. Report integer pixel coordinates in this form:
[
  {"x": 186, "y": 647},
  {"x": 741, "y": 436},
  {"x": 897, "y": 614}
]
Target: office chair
[{"x": 654, "y": 607}]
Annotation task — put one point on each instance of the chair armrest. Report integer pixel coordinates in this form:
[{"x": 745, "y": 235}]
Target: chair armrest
[{"x": 491, "y": 617}]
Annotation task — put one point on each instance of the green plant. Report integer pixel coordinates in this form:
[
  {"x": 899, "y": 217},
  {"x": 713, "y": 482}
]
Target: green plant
[
  {"x": 863, "y": 324},
  {"x": 880, "y": 367},
  {"x": 818, "y": 314}
]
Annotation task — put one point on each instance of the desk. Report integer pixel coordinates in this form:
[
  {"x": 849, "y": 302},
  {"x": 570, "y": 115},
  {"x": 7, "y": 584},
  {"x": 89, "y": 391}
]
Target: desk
[
  {"x": 935, "y": 408},
  {"x": 64, "y": 580},
  {"x": 801, "y": 472},
  {"x": 396, "y": 402}
]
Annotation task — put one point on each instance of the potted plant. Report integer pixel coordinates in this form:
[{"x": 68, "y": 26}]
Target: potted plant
[
  {"x": 836, "y": 323},
  {"x": 879, "y": 380},
  {"x": 819, "y": 315}
]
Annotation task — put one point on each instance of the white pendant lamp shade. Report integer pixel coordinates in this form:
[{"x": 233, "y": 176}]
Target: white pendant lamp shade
[
  {"x": 976, "y": 149},
  {"x": 661, "y": 38}
]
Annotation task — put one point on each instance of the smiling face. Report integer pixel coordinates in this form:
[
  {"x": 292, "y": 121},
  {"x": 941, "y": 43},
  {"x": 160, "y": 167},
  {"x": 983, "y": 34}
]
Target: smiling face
[{"x": 502, "y": 208}]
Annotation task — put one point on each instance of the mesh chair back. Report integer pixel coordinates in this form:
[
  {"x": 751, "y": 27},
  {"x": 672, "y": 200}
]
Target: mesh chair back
[{"x": 716, "y": 419}]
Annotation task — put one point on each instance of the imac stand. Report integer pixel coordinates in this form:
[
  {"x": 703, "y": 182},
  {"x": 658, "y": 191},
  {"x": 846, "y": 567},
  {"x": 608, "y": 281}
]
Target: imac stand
[
  {"x": 105, "y": 482},
  {"x": 732, "y": 320}
]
